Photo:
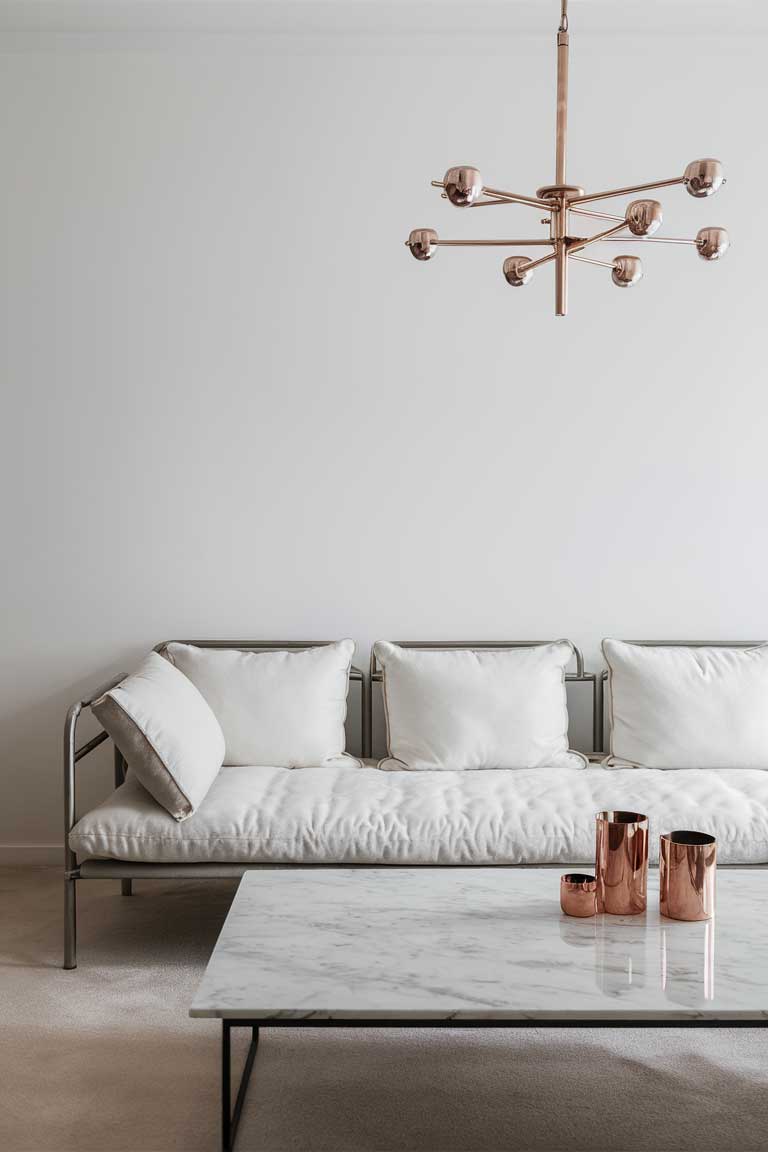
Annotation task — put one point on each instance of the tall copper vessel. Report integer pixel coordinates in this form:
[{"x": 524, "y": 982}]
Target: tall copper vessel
[
  {"x": 621, "y": 862},
  {"x": 687, "y": 862}
]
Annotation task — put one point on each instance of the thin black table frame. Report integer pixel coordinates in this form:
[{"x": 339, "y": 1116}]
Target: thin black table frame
[{"x": 230, "y": 1116}]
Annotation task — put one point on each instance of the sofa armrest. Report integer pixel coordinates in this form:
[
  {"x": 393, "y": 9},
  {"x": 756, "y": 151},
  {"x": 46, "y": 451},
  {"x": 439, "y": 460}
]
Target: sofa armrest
[{"x": 71, "y": 756}]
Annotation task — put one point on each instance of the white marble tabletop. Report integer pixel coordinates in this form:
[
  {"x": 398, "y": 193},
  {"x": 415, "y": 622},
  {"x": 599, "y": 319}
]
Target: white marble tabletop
[{"x": 478, "y": 944}]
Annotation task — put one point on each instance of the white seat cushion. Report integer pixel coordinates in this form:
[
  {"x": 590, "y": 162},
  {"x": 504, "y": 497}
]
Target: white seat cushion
[{"x": 365, "y": 816}]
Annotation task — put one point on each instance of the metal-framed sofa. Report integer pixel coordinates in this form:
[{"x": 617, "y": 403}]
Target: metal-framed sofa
[{"x": 279, "y": 817}]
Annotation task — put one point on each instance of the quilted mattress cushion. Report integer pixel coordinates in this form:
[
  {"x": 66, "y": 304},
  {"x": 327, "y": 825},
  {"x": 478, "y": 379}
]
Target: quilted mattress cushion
[{"x": 353, "y": 815}]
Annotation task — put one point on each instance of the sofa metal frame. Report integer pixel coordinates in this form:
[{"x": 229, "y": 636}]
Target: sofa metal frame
[
  {"x": 579, "y": 676},
  {"x": 123, "y": 870}
]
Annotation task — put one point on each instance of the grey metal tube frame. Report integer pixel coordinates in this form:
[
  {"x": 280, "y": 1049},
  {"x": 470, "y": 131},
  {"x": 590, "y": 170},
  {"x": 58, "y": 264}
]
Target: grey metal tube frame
[
  {"x": 579, "y": 676},
  {"x": 125, "y": 871}
]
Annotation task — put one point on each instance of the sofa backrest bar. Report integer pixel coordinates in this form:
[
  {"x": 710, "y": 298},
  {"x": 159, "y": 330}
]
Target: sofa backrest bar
[{"x": 579, "y": 675}]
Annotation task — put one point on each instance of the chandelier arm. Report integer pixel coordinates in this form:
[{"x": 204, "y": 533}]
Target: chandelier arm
[
  {"x": 595, "y": 215},
  {"x": 508, "y": 197},
  {"x": 577, "y": 244},
  {"x": 589, "y": 260},
  {"x": 490, "y": 243},
  {"x": 542, "y": 260},
  {"x": 632, "y": 188},
  {"x": 653, "y": 240},
  {"x": 487, "y": 203},
  {"x": 515, "y": 197}
]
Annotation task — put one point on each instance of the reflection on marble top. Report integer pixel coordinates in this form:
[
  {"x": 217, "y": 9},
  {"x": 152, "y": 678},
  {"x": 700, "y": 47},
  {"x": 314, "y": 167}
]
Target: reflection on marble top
[{"x": 478, "y": 944}]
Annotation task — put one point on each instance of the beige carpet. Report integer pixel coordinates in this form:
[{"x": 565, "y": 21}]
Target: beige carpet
[{"x": 105, "y": 1057}]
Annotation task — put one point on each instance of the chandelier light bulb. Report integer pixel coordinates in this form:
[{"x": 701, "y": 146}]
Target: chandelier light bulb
[
  {"x": 627, "y": 270},
  {"x": 423, "y": 243},
  {"x": 463, "y": 186},
  {"x": 703, "y": 177},
  {"x": 516, "y": 270},
  {"x": 644, "y": 217},
  {"x": 712, "y": 243}
]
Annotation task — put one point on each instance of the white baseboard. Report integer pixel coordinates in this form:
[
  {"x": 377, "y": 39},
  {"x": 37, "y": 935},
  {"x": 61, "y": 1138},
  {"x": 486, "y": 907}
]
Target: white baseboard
[{"x": 31, "y": 855}]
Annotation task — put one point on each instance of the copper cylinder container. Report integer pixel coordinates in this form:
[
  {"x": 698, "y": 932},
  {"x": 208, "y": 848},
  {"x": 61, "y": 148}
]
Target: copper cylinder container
[
  {"x": 621, "y": 862},
  {"x": 578, "y": 894},
  {"x": 687, "y": 863}
]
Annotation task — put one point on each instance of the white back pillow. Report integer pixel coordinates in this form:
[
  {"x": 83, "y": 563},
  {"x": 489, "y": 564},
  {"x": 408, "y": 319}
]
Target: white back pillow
[
  {"x": 168, "y": 735},
  {"x": 687, "y": 707},
  {"x": 459, "y": 709},
  {"x": 278, "y": 709}
]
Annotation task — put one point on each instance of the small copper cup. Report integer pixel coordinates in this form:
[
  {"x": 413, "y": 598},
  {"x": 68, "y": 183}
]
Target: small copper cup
[
  {"x": 687, "y": 863},
  {"x": 578, "y": 894},
  {"x": 621, "y": 862}
]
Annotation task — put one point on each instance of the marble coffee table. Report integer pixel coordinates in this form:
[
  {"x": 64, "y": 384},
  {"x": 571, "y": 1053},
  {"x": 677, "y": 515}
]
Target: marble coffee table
[{"x": 472, "y": 947}]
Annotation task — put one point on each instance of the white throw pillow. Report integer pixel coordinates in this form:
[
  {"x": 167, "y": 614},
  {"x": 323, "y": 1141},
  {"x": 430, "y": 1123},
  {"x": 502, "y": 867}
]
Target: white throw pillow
[
  {"x": 168, "y": 735},
  {"x": 278, "y": 709},
  {"x": 687, "y": 707},
  {"x": 460, "y": 709}
]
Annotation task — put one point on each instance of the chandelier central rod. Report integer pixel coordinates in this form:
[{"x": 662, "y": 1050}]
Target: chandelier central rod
[{"x": 562, "y": 95}]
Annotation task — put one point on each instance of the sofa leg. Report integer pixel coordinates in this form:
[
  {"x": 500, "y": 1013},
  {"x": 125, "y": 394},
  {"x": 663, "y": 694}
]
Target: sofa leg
[
  {"x": 126, "y": 887},
  {"x": 70, "y": 924}
]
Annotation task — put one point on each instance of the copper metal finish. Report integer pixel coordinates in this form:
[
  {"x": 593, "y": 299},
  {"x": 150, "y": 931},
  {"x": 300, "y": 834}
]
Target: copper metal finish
[
  {"x": 463, "y": 186},
  {"x": 423, "y": 243},
  {"x": 589, "y": 260},
  {"x": 561, "y": 132},
  {"x": 644, "y": 217},
  {"x": 630, "y": 188},
  {"x": 490, "y": 243},
  {"x": 578, "y": 894},
  {"x": 517, "y": 271},
  {"x": 627, "y": 270},
  {"x": 596, "y": 215},
  {"x": 687, "y": 863},
  {"x": 621, "y": 862},
  {"x": 559, "y": 229},
  {"x": 515, "y": 198},
  {"x": 541, "y": 260},
  {"x": 703, "y": 177},
  {"x": 712, "y": 243},
  {"x": 499, "y": 196},
  {"x": 652, "y": 240},
  {"x": 577, "y": 243},
  {"x": 553, "y": 191}
]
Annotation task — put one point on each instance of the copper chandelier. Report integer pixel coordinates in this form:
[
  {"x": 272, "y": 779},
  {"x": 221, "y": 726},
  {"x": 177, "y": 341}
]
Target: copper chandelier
[{"x": 464, "y": 187}]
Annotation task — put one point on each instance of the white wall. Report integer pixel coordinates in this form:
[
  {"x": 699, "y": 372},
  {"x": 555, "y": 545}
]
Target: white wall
[{"x": 234, "y": 405}]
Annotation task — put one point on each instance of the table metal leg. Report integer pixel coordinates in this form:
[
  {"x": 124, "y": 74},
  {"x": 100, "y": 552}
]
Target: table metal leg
[{"x": 230, "y": 1118}]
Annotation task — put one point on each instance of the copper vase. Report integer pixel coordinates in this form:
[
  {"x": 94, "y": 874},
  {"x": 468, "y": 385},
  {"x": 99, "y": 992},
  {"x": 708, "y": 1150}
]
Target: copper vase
[
  {"x": 621, "y": 862},
  {"x": 687, "y": 862},
  {"x": 578, "y": 894}
]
